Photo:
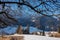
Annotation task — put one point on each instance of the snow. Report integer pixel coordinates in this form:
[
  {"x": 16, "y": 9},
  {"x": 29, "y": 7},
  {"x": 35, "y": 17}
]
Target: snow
[{"x": 36, "y": 37}]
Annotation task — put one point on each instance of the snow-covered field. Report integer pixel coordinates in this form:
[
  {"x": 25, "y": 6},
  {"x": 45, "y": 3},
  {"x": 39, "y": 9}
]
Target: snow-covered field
[{"x": 36, "y": 37}]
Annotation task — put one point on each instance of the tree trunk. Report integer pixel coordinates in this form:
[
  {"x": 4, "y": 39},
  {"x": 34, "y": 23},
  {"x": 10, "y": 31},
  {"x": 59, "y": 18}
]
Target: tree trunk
[
  {"x": 58, "y": 29},
  {"x": 19, "y": 30},
  {"x": 43, "y": 34},
  {"x": 26, "y": 31}
]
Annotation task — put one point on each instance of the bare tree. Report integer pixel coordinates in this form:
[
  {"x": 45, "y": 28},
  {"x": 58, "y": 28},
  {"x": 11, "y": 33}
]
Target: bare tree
[{"x": 43, "y": 7}]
